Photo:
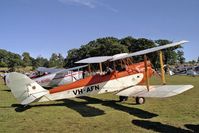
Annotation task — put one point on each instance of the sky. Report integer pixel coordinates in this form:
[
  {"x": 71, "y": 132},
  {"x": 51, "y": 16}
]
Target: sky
[{"x": 43, "y": 27}]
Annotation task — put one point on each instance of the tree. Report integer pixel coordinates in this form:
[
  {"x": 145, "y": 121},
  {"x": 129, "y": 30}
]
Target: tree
[
  {"x": 60, "y": 60},
  {"x": 73, "y": 55},
  {"x": 142, "y": 44},
  {"x": 128, "y": 41},
  {"x": 170, "y": 56},
  {"x": 3, "y": 58},
  {"x": 100, "y": 47},
  {"x": 27, "y": 60},
  {"x": 9, "y": 59},
  {"x": 56, "y": 60},
  {"x": 193, "y": 62},
  {"x": 14, "y": 60},
  {"x": 181, "y": 58},
  {"x": 40, "y": 62}
]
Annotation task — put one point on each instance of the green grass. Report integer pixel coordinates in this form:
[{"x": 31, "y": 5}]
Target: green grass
[
  {"x": 101, "y": 113},
  {"x": 18, "y": 69}
]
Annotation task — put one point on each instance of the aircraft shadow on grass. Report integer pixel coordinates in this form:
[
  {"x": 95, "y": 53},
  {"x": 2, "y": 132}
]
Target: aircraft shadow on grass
[
  {"x": 85, "y": 110},
  {"x": 7, "y": 90},
  {"x": 114, "y": 104},
  {"x": 164, "y": 128},
  {"x": 194, "y": 128},
  {"x": 80, "y": 107}
]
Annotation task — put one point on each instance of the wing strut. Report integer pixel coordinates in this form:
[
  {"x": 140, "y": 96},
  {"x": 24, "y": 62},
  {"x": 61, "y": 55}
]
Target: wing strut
[
  {"x": 146, "y": 72},
  {"x": 100, "y": 64},
  {"x": 162, "y": 68},
  {"x": 89, "y": 68}
]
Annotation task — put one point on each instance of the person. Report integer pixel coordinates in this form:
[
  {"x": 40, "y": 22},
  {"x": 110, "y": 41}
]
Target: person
[
  {"x": 4, "y": 77},
  {"x": 108, "y": 70}
]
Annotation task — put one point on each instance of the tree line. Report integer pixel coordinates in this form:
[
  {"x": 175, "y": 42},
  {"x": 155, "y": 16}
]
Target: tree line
[{"x": 100, "y": 47}]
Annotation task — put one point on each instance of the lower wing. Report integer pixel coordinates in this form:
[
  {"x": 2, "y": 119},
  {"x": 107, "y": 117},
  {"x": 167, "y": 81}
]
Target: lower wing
[{"x": 158, "y": 91}]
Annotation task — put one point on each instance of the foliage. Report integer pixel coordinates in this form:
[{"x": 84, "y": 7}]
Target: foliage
[
  {"x": 100, "y": 47},
  {"x": 27, "y": 60},
  {"x": 9, "y": 59},
  {"x": 170, "y": 56},
  {"x": 181, "y": 58},
  {"x": 193, "y": 62},
  {"x": 56, "y": 60},
  {"x": 110, "y": 46},
  {"x": 40, "y": 61}
]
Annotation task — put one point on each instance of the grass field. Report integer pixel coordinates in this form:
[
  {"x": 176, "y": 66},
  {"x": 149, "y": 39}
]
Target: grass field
[{"x": 102, "y": 113}]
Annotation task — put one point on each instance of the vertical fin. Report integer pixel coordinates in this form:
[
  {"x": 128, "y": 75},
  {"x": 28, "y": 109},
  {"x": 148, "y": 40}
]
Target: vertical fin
[{"x": 23, "y": 88}]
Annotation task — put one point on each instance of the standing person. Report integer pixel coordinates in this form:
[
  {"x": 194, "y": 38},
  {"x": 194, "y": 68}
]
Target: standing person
[{"x": 4, "y": 77}]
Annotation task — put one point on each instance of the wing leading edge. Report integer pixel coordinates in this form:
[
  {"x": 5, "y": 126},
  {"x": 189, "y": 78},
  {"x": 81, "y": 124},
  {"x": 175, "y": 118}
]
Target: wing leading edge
[{"x": 150, "y": 50}]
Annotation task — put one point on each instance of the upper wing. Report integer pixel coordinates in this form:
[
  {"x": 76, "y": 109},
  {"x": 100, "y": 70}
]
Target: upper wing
[
  {"x": 95, "y": 59},
  {"x": 159, "y": 91},
  {"x": 150, "y": 50},
  {"x": 100, "y": 59}
]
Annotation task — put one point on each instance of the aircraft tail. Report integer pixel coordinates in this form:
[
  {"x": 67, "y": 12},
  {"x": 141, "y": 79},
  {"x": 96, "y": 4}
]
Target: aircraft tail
[
  {"x": 23, "y": 88},
  {"x": 171, "y": 73}
]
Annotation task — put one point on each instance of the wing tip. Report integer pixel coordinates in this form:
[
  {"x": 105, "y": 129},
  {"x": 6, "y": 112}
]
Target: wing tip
[{"x": 184, "y": 41}]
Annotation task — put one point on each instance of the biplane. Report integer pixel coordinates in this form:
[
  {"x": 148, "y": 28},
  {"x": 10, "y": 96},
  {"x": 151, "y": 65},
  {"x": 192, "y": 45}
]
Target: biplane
[
  {"x": 124, "y": 78},
  {"x": 57, "y": 77}
]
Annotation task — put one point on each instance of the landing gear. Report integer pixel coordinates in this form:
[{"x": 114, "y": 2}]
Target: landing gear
[
  {"x": 123, "y": 98},
  {"x": 140, "y": 100},
  {"x": 22, "y": 108}
]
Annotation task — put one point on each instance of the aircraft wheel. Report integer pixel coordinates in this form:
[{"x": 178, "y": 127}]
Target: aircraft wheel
[
  {"x": 140, "y": 100},
  {"x": 123, "y": 98}
]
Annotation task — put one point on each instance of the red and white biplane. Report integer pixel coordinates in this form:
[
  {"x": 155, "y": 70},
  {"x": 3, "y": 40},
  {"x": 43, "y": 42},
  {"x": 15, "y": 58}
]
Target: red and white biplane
[{"x": 124, "y": 78}]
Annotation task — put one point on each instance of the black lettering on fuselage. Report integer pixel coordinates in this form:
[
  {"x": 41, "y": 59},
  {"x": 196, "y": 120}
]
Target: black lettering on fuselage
[
  {"x": 92, "y": 88},
  {"x": 80, "y": 91},
  {"x": 97, "y": 87},
  {"x": 75, "y": 92},
  {"x": 87, "y": 90}
]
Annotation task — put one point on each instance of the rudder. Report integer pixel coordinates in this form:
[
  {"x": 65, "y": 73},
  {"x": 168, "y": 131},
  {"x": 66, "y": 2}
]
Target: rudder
[{"x": 23, "y": 88}]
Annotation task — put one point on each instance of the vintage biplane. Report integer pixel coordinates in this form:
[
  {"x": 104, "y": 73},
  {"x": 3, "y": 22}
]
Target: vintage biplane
[
  {"x": 57, "y": 77},
  {"x": 124, "y": 79}
]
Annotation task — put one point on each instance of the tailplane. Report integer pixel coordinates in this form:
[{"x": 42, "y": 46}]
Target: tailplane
[{"x": 23, "y": 88}]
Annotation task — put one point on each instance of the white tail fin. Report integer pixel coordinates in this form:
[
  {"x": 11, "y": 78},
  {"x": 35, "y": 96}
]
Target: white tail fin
[{"x": 23, "y": 88}]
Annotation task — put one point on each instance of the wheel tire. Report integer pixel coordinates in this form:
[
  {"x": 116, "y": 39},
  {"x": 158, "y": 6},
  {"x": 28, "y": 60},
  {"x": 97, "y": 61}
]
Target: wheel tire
[
  {"x": 123, "y": 98},
  {"x": 140, "y": 100}
]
